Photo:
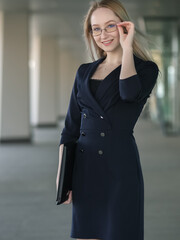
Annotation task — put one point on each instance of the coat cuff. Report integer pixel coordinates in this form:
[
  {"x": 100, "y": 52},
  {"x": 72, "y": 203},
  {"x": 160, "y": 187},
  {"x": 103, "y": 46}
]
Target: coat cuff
[
  {"x": 130, "y": 88},
  {"x": 67, "y": 139}
]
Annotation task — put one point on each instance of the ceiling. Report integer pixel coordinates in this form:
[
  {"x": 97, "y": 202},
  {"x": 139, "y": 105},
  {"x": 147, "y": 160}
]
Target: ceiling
[
  {"x": 64, "y": 19},
  {"x": 158, "y": 7}
]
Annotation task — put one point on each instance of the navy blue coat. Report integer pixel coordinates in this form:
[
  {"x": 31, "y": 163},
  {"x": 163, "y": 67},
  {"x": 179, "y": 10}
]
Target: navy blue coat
[{"x": 108, "y": 186}]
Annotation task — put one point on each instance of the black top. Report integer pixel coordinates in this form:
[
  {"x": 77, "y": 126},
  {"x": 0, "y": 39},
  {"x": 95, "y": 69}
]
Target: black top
[{"x": 94, "y": 84}]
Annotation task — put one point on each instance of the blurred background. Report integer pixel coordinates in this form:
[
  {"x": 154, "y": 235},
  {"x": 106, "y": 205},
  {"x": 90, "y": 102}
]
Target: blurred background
[{"x": 41, "y": 47}]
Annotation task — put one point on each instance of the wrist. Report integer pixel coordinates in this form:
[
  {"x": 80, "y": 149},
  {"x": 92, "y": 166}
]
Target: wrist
[
  {"x": 127, "y": 52},
  {"x": 128, "y": 49}
]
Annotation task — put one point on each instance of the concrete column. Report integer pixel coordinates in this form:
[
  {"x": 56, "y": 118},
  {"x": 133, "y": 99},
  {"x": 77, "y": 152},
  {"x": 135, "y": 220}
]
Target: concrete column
[
  {"x": 67, "y": 71},
  {"x": 43, "y": 78},
  {"x": 70, "y": 58},
  {"x": 14, "y": 89},
  {"x": 48, "y": 77},
  {"x": 34, "y": 79}
]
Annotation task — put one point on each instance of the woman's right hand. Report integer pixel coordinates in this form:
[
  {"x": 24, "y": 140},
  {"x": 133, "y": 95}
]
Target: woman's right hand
[{"x": 69, "y": 200}]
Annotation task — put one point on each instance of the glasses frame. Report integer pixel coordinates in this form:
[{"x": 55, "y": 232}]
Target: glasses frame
[{"x": 104, "y": 29}]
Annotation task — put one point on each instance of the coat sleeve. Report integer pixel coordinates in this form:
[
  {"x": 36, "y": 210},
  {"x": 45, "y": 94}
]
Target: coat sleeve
[
  {"x": 139, "y": 86},
  {"x": 71, "y": 130}
]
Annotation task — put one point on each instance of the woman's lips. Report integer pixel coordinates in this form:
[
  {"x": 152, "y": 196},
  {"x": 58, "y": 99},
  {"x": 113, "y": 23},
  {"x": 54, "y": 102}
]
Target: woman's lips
[{"x": 107, "y": 43}]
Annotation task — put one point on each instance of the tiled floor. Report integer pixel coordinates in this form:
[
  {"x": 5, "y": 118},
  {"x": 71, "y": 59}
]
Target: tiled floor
[{"x": 27, "y": 188}]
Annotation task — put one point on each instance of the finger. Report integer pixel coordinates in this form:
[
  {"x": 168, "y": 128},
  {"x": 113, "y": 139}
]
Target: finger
[
  {"x": 120, "y": 28},
  {"x": 127, "y": 26},
  {"x": 69, "y": 200},
  {"x": 125, "y": 22}
]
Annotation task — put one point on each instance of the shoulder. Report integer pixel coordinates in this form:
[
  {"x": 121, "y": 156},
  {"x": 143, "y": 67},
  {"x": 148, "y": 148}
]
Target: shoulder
[
  {"x": 89, "y": 64},
  {"x": 85, "y": 66},
  {"x": 147, "y": 70},
  {"x": 143, "y": 65}
]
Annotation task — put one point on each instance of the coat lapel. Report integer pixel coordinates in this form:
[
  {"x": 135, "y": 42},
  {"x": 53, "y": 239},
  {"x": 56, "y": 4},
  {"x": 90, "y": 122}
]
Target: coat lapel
[
  {"x": 107, "y": 93},
  {"x": 88, "y": 94}
]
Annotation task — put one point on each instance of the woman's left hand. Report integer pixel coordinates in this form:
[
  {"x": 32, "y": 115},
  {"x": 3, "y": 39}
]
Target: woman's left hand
[{"x": 126, "y": 39}]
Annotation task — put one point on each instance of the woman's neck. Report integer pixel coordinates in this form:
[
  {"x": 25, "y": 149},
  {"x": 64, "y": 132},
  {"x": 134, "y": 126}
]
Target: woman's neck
[{"x": 113, "y": 58}]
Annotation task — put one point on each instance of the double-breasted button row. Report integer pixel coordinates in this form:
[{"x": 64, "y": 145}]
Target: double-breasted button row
[
  {"x": 83, "y": 134},
  {"x": 85, "y": 116},
  {"x": 102, "y": 134},
  {"x": 100, "y": 152}
]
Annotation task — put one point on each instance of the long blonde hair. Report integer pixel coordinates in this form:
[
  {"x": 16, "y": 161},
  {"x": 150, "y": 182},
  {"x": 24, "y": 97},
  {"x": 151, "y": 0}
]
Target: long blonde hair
[{"x": 138, "y": 48}]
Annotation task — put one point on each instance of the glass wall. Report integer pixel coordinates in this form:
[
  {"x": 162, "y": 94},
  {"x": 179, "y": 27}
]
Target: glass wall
[{"x": 164, "y": 48}]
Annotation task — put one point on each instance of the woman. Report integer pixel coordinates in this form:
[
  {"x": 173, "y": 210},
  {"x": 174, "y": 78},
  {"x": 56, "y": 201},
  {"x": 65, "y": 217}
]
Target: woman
[{"x": 107, "y": 98}]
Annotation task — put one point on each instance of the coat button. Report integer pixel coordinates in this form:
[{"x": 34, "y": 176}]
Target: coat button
[
  {"x": 83, "y": 133},
  {"x": 100, "y": 152},
  {"x": 84, "y": 115},
  {"x": 82, "y": 150},
  {"x": 102, "y": 134},
  {"x": 101, "y": 117}
]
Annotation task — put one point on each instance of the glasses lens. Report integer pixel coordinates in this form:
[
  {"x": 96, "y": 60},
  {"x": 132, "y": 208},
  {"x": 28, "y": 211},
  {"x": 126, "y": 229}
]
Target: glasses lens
[
  {"x": 111, "y": 28},
  {"x": 96, "y": 32}
]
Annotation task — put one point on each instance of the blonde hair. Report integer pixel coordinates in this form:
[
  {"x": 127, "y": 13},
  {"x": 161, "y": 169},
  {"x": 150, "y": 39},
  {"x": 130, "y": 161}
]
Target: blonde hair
[{"x": 139, "y": 48}]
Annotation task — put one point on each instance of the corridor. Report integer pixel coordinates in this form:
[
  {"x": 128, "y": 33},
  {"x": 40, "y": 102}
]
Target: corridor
[{"x": 27, "y": 188}]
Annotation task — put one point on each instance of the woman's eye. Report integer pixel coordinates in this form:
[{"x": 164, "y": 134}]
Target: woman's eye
[
  {"x": 96, "y": 29},
  {"x": 111, "y": 25}
]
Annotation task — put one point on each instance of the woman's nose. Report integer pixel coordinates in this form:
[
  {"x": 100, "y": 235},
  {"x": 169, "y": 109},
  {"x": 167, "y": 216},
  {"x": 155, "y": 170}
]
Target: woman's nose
[{"x": 103, "y": 33}]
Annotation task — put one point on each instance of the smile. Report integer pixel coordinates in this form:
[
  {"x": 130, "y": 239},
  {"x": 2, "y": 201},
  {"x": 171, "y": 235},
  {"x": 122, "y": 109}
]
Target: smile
[{"x": 107, "y": 43}]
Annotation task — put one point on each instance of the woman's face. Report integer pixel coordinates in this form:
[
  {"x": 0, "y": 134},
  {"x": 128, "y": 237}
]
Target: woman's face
[{"x": 101, "y": 18}]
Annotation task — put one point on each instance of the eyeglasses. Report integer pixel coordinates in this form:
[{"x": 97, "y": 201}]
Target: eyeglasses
[{"x": 97, "y": 31}]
